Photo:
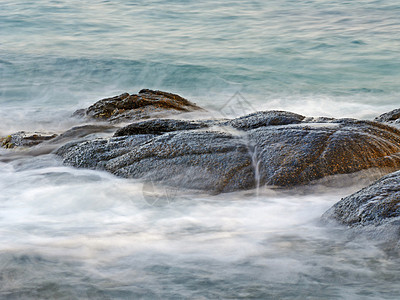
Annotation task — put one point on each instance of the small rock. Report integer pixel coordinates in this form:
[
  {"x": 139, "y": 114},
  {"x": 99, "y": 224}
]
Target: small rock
[
  {"x": 146, "y": 104},
  {"x": 25, "y": 139},
  {"x": 390, "y": 117}
]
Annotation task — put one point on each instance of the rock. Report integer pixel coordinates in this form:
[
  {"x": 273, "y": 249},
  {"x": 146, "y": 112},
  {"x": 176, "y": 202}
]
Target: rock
[
  {"x": 373, "y": 211},
  {"x": 390, "y": 117},
  {"x": 160, "y": 126},
  {"x": 225, "y": 155},
  {"x": 265, "y": 118},
  {"x": 25, "y": 139},
  {"x": 373, "y": 205},
  {"x": 39, "y": 143},
  {"x": 146, "y": 104},
  {"x": 83, "y": 131}
]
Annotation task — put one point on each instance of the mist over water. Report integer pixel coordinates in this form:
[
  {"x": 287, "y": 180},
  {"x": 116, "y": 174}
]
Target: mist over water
[
  {"x": 67, "y": 233},
  {"x": 79, "y": 233}
]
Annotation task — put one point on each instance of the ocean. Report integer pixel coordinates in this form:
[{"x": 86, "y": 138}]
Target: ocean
[{"x": 69, "y": 233}]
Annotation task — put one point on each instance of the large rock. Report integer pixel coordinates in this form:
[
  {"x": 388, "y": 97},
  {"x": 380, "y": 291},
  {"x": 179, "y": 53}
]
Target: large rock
[
  {"x": 373, "y": 211},
  {"x": 373, "y": 205},
  {"x": 267, "y": 148},
  {"x": 146, "y": 104}
]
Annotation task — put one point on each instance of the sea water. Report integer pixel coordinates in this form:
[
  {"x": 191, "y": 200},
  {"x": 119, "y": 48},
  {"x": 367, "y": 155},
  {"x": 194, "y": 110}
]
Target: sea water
[{"x": 75, "y": 234}]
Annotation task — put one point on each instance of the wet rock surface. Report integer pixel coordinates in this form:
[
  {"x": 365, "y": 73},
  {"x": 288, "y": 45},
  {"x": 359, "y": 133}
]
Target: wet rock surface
[
  {"x": 161, "y": 126},
  {"x": 82, "y": 131},
  {"x": 274, "y": 148},
  {"x": 374, "y": 205},
  {"x": 390, "y": 117},
  {"x": 144, "y": 105},
  {"x": 265, "y": 118},
  {"x": 25, "y": 139},
  {"x": 267, "y": 148},
  {"x": 373, "y": 212}
]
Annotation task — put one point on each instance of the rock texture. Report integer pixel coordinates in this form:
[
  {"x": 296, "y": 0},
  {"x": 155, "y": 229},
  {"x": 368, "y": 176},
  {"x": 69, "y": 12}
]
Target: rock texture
[
  {"x": 390, "y": 117},
  {"x": 25, "y": 139},
  {"x": 274, "y": 148},
  {"x": 269, "y": 148},
  {"x": 373, "y": 212},
  {"x": 374, "y": 205},
  {"x": 161, "y": 126},
  {"x": 146, "y": 104}
]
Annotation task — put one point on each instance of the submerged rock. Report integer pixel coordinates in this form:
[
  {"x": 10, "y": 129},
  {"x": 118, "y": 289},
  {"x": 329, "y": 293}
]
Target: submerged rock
[
  {"x": 390, "y": 117},
  {"x": 146, "y": 104},
  {"x": 267, "y": 148}
]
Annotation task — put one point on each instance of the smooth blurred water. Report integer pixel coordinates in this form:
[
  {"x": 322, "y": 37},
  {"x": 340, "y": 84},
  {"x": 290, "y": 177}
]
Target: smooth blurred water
[
  {"x": 317, "y": 57},
  {"x": 78, "y": 234},
  {"x": 69, "y": 233}
]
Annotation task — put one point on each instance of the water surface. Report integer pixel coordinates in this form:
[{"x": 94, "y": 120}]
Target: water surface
[{"x": 68, "y": 233}]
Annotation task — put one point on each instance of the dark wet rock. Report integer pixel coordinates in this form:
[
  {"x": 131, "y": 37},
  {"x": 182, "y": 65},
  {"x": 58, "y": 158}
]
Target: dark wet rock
[
  {"x": 146, "y": 104},
  {"x": 94, "y": 154},
  {"x": 160, "y": 126},
  {"x": 25, "y": 139},
  {"x": 222, "y": 156},
  {"x": 252, "y": 121},
  {"x": 82, "y": 131},
  {"x": 373, "y": 205},
  {"x": 39, "y": 143},
  {"x": 298, "y": 154},
  {"x": 372, "y": 212},
  {"x": 265, "y": 118},
  {"x": 390, "y": 117},
  {"x": 30, "y": 139}
]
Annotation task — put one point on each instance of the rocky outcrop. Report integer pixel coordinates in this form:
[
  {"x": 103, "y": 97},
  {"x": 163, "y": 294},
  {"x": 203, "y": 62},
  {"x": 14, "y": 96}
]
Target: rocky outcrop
[
  {"x": 390, "y": 117},
  {"x": 374, "y": 205},
  {"x": 267, "y": 148},
  {"x": 274, "y": 148},
  {"x": 146, "y": 104},
  {"x": 372, "y": 212}
]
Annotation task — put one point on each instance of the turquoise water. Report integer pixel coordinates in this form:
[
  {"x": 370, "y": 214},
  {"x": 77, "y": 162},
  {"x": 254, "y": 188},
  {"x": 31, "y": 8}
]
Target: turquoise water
[
  {"x": 69, "y": 233},
  {"x": 341, "y": 55}
]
